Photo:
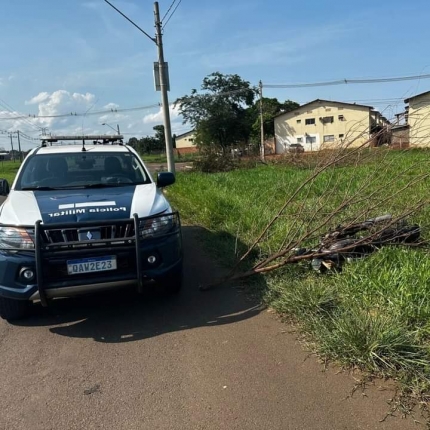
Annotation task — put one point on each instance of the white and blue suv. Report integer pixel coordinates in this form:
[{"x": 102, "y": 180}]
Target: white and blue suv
[{"x": 85, "y": 218}]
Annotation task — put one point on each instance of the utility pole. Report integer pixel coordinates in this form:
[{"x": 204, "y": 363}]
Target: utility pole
[
  {"x": 19, "y": 147},
  {"x": 11, "y": 144},
  {"x": 163, "y": 87},
  {"x": 162, "y": 75},
  {"x": 261, "y": 122},
  {"x": 117, "y": 126}
]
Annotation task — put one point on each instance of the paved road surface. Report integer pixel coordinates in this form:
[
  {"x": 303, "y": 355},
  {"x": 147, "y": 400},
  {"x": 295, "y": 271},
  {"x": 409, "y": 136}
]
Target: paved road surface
[{"x": 211, "y": 360}]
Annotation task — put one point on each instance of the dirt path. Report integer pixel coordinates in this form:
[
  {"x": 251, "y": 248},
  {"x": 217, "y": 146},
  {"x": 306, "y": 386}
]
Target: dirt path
[{"x": 209, "y": 360}]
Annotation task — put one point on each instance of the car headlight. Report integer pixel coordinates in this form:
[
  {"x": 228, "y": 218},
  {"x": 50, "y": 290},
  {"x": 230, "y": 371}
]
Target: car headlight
[
  {"x": 158, "y": 226},
  {"x": 15, "y": 238}
]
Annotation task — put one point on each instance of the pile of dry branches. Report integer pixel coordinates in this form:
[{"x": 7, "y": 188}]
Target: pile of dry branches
[{"x": 365, "y": 197}]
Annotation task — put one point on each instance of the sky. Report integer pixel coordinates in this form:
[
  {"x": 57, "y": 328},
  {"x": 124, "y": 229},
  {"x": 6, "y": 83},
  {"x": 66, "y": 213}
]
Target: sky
[{"x": 81, "y": 56}]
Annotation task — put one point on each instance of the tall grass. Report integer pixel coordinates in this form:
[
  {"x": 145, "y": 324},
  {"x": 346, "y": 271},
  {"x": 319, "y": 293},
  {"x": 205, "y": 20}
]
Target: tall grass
[
  {"x": 8, "y": 170},
  {"x": 375, "y": 315}
]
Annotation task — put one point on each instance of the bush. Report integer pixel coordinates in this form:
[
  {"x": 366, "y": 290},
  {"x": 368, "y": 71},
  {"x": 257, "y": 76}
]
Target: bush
[{"x": 212, "y": 162}]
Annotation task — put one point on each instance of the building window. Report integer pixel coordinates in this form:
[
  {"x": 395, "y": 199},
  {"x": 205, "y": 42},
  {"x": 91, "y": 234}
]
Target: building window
[
  {"x": 299, "y": 121},
  {"x": 310, "y": 121},
  {"x": 329, "y": 138},
  {"x": 311, "y": 139},
  {"x": 341, "y": 118},
  {"x": 339, "y": 108},
  {"x": 327, "y": 119},
  {"x": 328, "y": 110},
  {"x": 300, "y": 140},
  {"x": 341, "y": 136},
  {"x": 309, "y": 111}
]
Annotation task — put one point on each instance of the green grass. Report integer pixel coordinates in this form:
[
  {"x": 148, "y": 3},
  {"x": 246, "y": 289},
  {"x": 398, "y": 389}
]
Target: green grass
[
  {"x": 375, "y": 315},
  {"x": 161, "y": 158},
  {"x": 8, "y": 170}
]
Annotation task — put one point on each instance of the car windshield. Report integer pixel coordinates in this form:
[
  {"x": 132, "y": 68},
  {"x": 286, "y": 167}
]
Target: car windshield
[{"x": 81, "y": 170}]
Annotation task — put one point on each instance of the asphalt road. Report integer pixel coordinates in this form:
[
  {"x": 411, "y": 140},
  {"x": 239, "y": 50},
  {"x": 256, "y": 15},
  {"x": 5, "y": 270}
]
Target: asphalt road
[{"x": 212, "y": 360}]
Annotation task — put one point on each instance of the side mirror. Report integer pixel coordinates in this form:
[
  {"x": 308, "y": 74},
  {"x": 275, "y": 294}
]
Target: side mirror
[
  {"x": 164, "y": 179},
  {"x": 4, "y": 187}
]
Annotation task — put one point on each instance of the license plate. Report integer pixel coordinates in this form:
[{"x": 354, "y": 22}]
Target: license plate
[{"x": 89, "y": 265}]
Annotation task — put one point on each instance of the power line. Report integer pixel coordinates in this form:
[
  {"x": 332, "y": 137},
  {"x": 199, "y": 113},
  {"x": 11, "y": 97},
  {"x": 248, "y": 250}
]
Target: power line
[
  {"x": 174, "y": 10},
  {"x": 168, "y": 10},
  {"x": 75, "y": 114},
  {"x": 349, "y": 81},
  {"x": 12, "y": 110}
]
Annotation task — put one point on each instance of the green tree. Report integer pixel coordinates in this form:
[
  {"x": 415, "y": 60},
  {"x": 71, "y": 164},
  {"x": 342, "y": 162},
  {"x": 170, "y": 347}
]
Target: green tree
[
  {"x": 271, "y": 108},
  {"x": 159, "y": 138},
  {"x": 133, "y": 142},
  {"x": 219, "y": 115}
]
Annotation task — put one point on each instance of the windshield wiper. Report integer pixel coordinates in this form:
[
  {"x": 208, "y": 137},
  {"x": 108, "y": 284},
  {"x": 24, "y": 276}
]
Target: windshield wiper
[
  {"x": 40, "y": 188},
  {"x": 72, "y": 187},
  {"x": 105, "y": 185},
  {"x": 114, "y": 184}
]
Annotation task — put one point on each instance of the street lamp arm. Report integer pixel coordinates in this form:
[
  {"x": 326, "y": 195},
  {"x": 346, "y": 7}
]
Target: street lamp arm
[
  {"x": 117, "y": 127},
  {"x": 128, "y": 19}
]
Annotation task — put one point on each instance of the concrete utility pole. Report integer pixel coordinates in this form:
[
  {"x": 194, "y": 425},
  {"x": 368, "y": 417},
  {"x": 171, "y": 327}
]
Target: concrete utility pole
[
  {"x": 261, "y": 122},
  {"x": 164, "y": 89},
  {"x": 19, "y": 147},
  {"x": 11, "y": 145},
  {"x": 162, "y": 75}
]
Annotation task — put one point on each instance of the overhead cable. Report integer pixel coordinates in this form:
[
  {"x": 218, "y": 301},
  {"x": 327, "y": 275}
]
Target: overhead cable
[
  {"x": 168, "y": 10},
  {"x": 349, "y": 81},
  {"x": 174, "y": 10},
  {"x": 74, "y": 114}
]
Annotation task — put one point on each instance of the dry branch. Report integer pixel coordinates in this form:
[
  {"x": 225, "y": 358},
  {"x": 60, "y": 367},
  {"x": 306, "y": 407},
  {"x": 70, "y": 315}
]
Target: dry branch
[{"x": 360, "y": 194}]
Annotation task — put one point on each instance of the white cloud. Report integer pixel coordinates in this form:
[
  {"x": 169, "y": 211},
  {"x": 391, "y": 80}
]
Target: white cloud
[
  {"x": 155, "y": 118},
  {"x": 60, "y": 102},
  {"x": 111, "y": 106},
  {"x": 41, "y": 97},
  {"x": 5, "y": 80},
  {"x": 132, "y": 123}
]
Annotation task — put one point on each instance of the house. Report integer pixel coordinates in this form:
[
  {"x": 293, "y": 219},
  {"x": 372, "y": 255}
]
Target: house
[
  {"x": 324, "y": 124},
  {"x": 185, "y": 142},
  {"x": 418, "y": 119},
  {"x": 400, "y": 136}
]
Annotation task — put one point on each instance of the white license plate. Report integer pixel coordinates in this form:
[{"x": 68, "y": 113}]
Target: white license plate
[{"x": 89, "y": 265}]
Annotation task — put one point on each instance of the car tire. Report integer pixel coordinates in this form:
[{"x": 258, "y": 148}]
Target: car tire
[
  {"x": 13, "y": 309},
  {"x": 171, "y": 283}
]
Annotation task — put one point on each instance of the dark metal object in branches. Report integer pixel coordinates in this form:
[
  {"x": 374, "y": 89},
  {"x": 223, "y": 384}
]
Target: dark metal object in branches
[{"x": 358, "y": 240}]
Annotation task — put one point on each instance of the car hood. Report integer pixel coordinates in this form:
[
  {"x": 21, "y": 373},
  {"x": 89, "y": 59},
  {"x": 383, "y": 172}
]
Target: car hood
[{"x": 58, "y": 206}]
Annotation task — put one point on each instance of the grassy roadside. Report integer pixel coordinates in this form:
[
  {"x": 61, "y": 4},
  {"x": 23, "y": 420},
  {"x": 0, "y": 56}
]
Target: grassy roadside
[
  {"x": 376, "y": 314},
  {"x": 8, "y": 170},
  {"x": 161, "y": 158}
]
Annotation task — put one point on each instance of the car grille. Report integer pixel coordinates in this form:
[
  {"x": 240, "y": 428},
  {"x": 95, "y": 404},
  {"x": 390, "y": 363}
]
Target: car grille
[{"x": 65, "y": 235}]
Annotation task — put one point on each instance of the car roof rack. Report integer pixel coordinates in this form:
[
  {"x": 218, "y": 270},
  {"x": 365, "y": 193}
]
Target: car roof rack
[{"x": 96, "y": 139}]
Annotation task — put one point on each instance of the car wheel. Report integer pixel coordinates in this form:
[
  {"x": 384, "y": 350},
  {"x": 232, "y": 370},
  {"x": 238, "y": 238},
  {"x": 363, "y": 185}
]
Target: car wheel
[
  {"x": 13, "y": 309},
  {"x": 171, "y": 283}
]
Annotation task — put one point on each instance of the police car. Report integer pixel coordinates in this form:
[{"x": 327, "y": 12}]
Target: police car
[{"x": 85, "y": 218}]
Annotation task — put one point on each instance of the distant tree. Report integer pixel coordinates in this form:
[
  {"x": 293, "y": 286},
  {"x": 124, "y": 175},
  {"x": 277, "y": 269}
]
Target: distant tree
[
  {"x": 159, "y": 138},
  {"x": 219, "y": 115},
  {"x": 148, "y": 144},
  {"x": 133, "y": 142},
  {"x": 271, "y": 108}
]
